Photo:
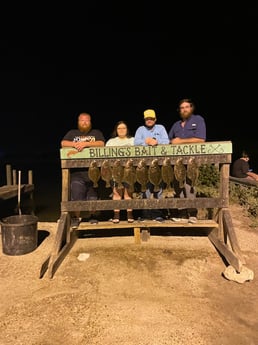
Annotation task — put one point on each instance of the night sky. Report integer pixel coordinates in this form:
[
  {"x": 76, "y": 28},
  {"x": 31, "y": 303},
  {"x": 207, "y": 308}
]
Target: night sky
[{"x": 115, "y": 63}]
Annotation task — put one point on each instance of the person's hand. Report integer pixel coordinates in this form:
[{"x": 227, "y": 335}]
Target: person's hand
[
  {"x": 151, "y": 141},
  {"x": 79, "y": 146},
  {"x": 176, "y": 141}
]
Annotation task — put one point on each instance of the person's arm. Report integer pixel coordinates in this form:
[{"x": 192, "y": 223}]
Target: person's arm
[
  {"x": 252, "y": 175},
  {"x": 67, "y": 143},
  {"x": 186, "y": 140},
  {"x": 80, "y": 145},
  {"x": 139, "y": 138},
  {"x": 163, "y": 138}
]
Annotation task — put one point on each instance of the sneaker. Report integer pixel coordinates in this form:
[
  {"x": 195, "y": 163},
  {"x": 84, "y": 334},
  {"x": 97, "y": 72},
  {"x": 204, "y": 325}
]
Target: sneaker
[
  {"x": 141, "y": 219},
  {"x": 179, "y": 220},
  {"x": 93, "y": 221},
  {"x": 116, "y": 219},
  {"x": 159, "y": 219},
  {"x": 130, "y": 218},
  {"x": 174, "y": 219},
  {"x": 192, "y": 220},
  {"x": 75, "y": 222}
]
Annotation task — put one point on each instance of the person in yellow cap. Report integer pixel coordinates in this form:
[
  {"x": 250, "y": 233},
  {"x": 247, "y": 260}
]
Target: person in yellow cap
[{"x": 151, "y": 134}]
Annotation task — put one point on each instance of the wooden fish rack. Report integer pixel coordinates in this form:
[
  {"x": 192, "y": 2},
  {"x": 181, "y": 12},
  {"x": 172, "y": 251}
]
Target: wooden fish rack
[{"x": 221, "y": 229}]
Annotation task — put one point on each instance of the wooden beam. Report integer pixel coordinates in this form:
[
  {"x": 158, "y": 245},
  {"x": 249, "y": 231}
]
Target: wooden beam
[{"x": 225, "y": 251}]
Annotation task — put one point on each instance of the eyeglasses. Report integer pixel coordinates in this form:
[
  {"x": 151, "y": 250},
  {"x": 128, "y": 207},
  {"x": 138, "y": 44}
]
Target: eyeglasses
[{"x": 121, "y": 128}]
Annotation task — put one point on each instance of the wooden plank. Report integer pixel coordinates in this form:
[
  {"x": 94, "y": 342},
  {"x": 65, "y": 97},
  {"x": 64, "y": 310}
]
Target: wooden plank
[
  {"x": 61, "y": 233},
  {"x": 229, "y": 229},
  {"x": 147, "y": 224},
  {"x": 11, "y": 191},
  {"x": 165, "y": 203},
  {"x": 65, "y": 184},
  {"x": 225, "y": 251},
  {"x": 58, "y": 259},
  {"x": 195, "y": 149},
  {"x": 209, "y": 159},
  {"x": 59, "y": 252}
]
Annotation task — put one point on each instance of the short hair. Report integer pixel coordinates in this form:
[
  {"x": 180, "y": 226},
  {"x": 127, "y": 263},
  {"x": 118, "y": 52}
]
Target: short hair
[
  {"x": 245, "y": 154},
  {"x": 187, "y": 100}
]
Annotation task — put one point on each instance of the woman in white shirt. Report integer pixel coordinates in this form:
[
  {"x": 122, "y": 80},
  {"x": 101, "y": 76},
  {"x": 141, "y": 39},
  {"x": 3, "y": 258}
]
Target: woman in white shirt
[{"x": 121, "y": 137}]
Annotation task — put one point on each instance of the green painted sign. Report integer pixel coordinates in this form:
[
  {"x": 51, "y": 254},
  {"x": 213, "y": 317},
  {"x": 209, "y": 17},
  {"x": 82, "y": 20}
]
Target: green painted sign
[{"x": 207, "y": 148}]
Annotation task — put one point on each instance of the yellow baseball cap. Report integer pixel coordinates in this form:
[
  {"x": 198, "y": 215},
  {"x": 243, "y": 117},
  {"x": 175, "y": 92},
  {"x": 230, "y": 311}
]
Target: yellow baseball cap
[{"x": 149, "y": 113}]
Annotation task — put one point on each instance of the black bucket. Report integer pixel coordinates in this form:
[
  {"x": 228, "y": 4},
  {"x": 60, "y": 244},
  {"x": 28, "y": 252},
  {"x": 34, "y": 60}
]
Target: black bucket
[{"x": 19, "y": 234}]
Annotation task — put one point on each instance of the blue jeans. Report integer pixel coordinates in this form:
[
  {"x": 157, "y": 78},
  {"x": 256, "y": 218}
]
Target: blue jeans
[{"x": 153, "y": 213}]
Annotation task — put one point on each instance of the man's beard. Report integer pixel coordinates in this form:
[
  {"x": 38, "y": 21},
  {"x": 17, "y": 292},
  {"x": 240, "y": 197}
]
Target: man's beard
[
  {"x": 185, "y": 115},
  {"x": 85, "y": 128}
]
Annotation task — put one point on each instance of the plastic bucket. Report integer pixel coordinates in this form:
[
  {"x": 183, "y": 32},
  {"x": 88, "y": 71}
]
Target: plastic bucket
[{"x": 19, "y": 234}]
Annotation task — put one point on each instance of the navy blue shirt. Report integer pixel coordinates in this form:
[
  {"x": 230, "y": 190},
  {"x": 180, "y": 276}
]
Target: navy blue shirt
[{"x": 194, "y": 127}]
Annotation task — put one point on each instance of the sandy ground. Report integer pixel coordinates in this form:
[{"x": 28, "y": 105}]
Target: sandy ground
[{"x": 168, "y": 290}]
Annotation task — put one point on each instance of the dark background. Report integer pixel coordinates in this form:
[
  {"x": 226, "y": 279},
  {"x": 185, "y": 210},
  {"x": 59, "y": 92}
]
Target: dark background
[{"x": 115, "y": 61}]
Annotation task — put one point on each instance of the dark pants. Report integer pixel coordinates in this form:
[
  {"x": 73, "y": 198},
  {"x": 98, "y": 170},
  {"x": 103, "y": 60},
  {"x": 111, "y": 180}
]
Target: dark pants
[
  {"x": 82, "y": 189},
  {"x": 186, "y": 192}
]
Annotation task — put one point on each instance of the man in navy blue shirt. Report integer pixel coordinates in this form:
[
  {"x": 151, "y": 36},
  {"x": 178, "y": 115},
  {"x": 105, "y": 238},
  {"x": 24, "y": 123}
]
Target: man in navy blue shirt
[{"x": 189, "y": 129}]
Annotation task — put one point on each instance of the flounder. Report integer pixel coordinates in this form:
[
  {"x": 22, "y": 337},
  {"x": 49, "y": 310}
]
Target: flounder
[
  {"x": 94, "y": 173},
  {"x": 118, "y": 173},
  {"x": 106, "y": 172},
  {"x": 180, "y": 172},
  {"x": 154, "y": 174},
  {"x": 142, "y": 174},
  {"x": 129, "y": 174},
  {"x": 192, "y": 172},
  {"x": 167, "y": 174}
]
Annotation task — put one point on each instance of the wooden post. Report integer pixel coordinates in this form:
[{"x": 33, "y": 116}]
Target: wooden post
[
  {"x": 8, "y": 175},
  {"x": 14, "y": 177},
  {"x": 137, "y": 235},
  {"x": 30, "y": 177}
]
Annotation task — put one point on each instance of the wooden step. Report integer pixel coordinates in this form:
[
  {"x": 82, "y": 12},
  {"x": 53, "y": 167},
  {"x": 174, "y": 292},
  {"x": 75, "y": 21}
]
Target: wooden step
[{"x": 148, "y": 224}]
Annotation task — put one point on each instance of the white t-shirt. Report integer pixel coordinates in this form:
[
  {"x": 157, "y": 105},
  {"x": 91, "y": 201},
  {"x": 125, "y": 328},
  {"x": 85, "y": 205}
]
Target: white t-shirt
[{"x": 120, "y": 141}]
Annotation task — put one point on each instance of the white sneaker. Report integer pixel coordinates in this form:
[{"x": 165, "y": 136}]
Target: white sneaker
[
  {"x": 176, "y": 219},
  {"x": 192, "y": 220},
  {"x": 75, "y": 222}
]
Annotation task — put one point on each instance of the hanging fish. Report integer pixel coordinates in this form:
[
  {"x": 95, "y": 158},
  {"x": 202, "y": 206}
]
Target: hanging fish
[
  {"x": 118, "y": 173},
  {"x": 106, "y": 173},
  {"x": 154, "y": 174},
  {"x": 129, "y": 174},
  {"x": 94, "y": 173},
  {"x": 167, "y": 174},
  {"x": 192, "y": 172},
  {"x": 180, "y": 172},
  {"x": 142, "y": 174}
]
